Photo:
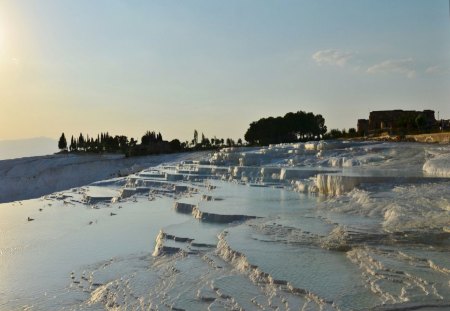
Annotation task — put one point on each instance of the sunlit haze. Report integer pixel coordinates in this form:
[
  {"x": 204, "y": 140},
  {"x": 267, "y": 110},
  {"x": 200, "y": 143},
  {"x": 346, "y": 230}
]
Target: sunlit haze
[{"x": 215, "y": 66}]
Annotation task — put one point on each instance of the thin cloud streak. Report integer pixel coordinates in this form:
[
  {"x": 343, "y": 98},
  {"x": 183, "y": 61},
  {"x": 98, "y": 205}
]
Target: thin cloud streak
[
  {"x": 403, "y": 67},
  {"x": 437, "y": 70},
  {"x": 332, "y": 57}
]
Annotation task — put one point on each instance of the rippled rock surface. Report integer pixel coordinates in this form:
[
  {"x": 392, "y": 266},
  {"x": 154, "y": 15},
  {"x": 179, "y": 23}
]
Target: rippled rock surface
[{"x": 314, "y": 226}]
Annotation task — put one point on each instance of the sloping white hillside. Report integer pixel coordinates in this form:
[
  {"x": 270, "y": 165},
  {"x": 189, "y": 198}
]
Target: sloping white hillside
[{"x": 32, "y": 177}]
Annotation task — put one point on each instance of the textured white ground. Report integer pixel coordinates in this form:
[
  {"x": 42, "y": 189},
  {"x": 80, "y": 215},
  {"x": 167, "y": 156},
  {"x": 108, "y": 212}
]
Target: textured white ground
[
  {"x": 316, "y": 226},
  {"x": 32, "y": 177}
]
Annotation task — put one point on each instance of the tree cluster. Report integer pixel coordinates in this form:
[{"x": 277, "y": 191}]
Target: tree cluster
[
  {"x": 151, "y": 138},
  {"x": 102, "y": 143},
  {"x": 336, "y": 133},
  {"x": 151, "y": 143},
  {"x": 298, "y": 126},
  {"x": 205, "y": 143},
  {"x": 106, "y": 143}
]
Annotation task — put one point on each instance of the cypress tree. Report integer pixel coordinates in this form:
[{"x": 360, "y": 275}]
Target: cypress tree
[
  {"x": 195, "y": 140},
  {"x": 71, "y": 147},
  {"x": 81, "y": 141},
  {"x": 62, "y": 143}
]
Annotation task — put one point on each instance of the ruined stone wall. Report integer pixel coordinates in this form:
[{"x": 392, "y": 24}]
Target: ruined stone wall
[
  {"x": 395, "y": 119},
  {"x": 363, "y": 126}
]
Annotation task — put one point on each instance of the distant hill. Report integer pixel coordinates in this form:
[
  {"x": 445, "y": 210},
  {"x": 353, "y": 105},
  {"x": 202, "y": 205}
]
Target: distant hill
[{"x": 10, "y": 149}]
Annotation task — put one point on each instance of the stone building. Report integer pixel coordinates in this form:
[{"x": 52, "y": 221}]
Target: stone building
[
  {"x": 392, "y": 120},
  {"x": 363, "y": 127}
]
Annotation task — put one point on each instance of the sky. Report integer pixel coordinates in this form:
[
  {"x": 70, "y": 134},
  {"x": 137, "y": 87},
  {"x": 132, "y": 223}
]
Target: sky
[{"x": 174, "y": 66}]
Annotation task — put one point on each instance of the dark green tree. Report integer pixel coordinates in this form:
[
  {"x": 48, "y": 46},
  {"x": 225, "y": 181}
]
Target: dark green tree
[
  {"x": 73, "y": 144},
  {"x": 230, "y": 142},
  {"x": 290, "y": 128},
  {"x": 133, "y": 143},
  {"x": 335, "y": 133},
  {"x": 195, "y": 140},
  {"x": 62, "y": 143},
  {"x": 150, "y": 137},
  {"x": 176, "y": 145},
  {"x": 81, "y": 142}
]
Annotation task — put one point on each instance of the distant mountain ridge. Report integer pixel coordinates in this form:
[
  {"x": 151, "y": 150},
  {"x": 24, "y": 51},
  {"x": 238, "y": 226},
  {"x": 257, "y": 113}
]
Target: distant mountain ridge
[{"x": 19, "y": 148}]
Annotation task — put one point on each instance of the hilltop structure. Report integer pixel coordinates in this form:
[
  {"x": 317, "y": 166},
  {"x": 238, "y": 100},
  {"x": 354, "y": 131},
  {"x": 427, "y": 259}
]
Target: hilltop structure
[{"x": 395, "y": 120}]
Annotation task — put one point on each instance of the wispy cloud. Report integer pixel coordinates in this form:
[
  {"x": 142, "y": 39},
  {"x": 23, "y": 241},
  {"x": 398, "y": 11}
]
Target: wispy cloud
[
  {"x": 437, "y": 70},
  {"x": 332, "y": 57},
  {"x": 403, "y": 67}
]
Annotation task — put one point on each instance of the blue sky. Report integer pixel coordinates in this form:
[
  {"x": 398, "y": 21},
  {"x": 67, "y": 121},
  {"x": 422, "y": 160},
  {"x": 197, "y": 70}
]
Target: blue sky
[{"x": 215, "y": 66}]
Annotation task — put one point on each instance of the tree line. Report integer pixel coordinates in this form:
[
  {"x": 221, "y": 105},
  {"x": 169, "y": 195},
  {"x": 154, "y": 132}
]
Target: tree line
[
  {"x": 151, "y": 143},
  {"x": 292, "y": 127},
  {"x": 336, "y": 133},
  {"x": 205, "y": 143},
  {"x": 102, "y": 143}
]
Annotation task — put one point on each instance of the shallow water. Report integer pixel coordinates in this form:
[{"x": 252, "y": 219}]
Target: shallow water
[{"x": 343, "y": 226}]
